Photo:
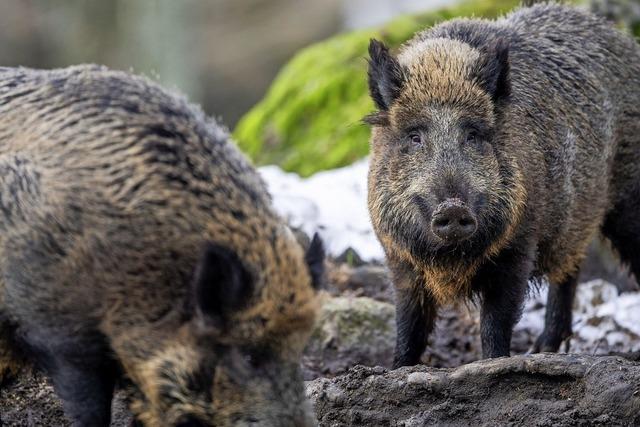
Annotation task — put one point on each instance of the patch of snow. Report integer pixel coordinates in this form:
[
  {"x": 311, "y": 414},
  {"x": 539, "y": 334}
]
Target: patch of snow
[
  {"x": 334, "y": 203},
  {"x": 603, "y": 321},
  {"x": 532, "y": 320},
  {"x": 608, "y": 321}
]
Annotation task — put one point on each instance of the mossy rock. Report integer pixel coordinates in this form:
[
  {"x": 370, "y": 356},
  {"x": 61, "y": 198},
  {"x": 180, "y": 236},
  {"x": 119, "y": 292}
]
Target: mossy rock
[{"x": 310, "y": 119}]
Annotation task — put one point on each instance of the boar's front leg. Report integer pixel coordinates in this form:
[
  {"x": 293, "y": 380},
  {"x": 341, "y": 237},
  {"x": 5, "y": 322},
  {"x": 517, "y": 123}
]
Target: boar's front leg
[
  {"x": 83, "y": 377},
  {"x": 415, "y": 316},
  {"x": 86, "y": 392},
  {"x": 503, "y": 289}
]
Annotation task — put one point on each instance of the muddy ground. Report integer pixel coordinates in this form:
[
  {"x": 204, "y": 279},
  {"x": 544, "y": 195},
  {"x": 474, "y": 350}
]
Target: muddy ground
[{"x": 29, "y": 401}]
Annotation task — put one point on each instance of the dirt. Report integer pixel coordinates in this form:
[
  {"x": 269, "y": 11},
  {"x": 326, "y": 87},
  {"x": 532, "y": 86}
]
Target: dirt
[
  {"x": 541, "y": 390},
  {"x": 29, "y": 401}
]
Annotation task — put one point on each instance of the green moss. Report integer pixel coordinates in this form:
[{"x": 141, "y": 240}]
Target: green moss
[{"x": 310, "y": 118}]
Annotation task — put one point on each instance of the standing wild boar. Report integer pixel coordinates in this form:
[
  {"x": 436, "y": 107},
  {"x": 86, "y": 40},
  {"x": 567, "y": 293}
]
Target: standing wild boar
[
  {"x": 136, "y": 242},
  {"x": 499, "y": 151}
]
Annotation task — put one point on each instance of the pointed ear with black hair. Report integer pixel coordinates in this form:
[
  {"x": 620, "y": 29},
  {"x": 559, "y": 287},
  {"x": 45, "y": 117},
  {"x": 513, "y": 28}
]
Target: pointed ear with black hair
[
  {"x": 221, "y": 285},
  {"x": 493, "y": 70},
  {"x": 385, "y": 75},
  {"x": 314, "y": 258}
]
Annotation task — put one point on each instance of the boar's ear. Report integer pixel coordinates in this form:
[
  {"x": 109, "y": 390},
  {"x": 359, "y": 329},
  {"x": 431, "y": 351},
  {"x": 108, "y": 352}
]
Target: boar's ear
[
  {"x": 493, "y": 72},
  {"x": 315, "y": 261},
  {"x": 221, "y": 284},
  {"x": 385, "y": 75}
]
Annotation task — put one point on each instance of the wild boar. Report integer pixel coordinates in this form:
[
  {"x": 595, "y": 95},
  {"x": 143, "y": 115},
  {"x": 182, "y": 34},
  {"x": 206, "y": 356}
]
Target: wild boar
[
  {"x": 498, "y": 151},
  {"x": 138, "y": 243}
]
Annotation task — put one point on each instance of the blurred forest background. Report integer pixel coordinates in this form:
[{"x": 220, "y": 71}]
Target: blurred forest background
[{"x": 222, "y": 53}]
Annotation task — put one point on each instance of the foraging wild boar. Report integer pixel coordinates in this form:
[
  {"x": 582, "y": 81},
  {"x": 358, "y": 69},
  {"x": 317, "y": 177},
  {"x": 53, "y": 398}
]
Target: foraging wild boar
[
  {"x": 499, "y": 150},
  {"x": 136, "y": 242}
]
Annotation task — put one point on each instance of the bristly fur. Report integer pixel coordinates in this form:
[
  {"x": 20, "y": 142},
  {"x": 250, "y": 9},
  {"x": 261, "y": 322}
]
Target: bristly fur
[
  {"x": 551, "y": 97},
  {"x": 136, "y": 240}
]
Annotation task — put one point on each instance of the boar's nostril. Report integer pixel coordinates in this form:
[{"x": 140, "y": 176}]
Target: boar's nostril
[
  {"x": 453, "y": 222},
  {"x": 190, "y": 421},
  {"x": 440, "y": 221},
  {"x": 465, "y": 221}
]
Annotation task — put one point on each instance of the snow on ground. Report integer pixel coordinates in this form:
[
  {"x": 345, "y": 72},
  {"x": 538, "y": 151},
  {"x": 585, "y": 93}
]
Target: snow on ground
[
  {"x": 603, "y": 321},
  {"x": 333, "y": 203}
]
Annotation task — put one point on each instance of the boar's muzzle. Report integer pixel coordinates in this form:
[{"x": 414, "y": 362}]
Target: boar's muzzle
[{"x": 453, "y": 221}]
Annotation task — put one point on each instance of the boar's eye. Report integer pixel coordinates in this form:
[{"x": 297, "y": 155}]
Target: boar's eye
[
  {"x": 252, "y": 360},
  {"x": 415, "y": 138},
  {"x": 472, "y": 137},
  {"x": 256, "y": 356}
]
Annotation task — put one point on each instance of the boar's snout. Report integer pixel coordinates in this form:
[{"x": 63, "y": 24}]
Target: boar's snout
[{"x": 452, "y": 221}]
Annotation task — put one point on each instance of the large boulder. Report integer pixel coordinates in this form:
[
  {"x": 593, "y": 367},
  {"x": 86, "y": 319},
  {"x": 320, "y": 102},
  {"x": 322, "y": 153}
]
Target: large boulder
[{"x": 537, "y": 390}]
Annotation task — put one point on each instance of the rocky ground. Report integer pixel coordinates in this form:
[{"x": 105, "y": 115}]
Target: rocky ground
[{"x": 356, "y": 327}]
